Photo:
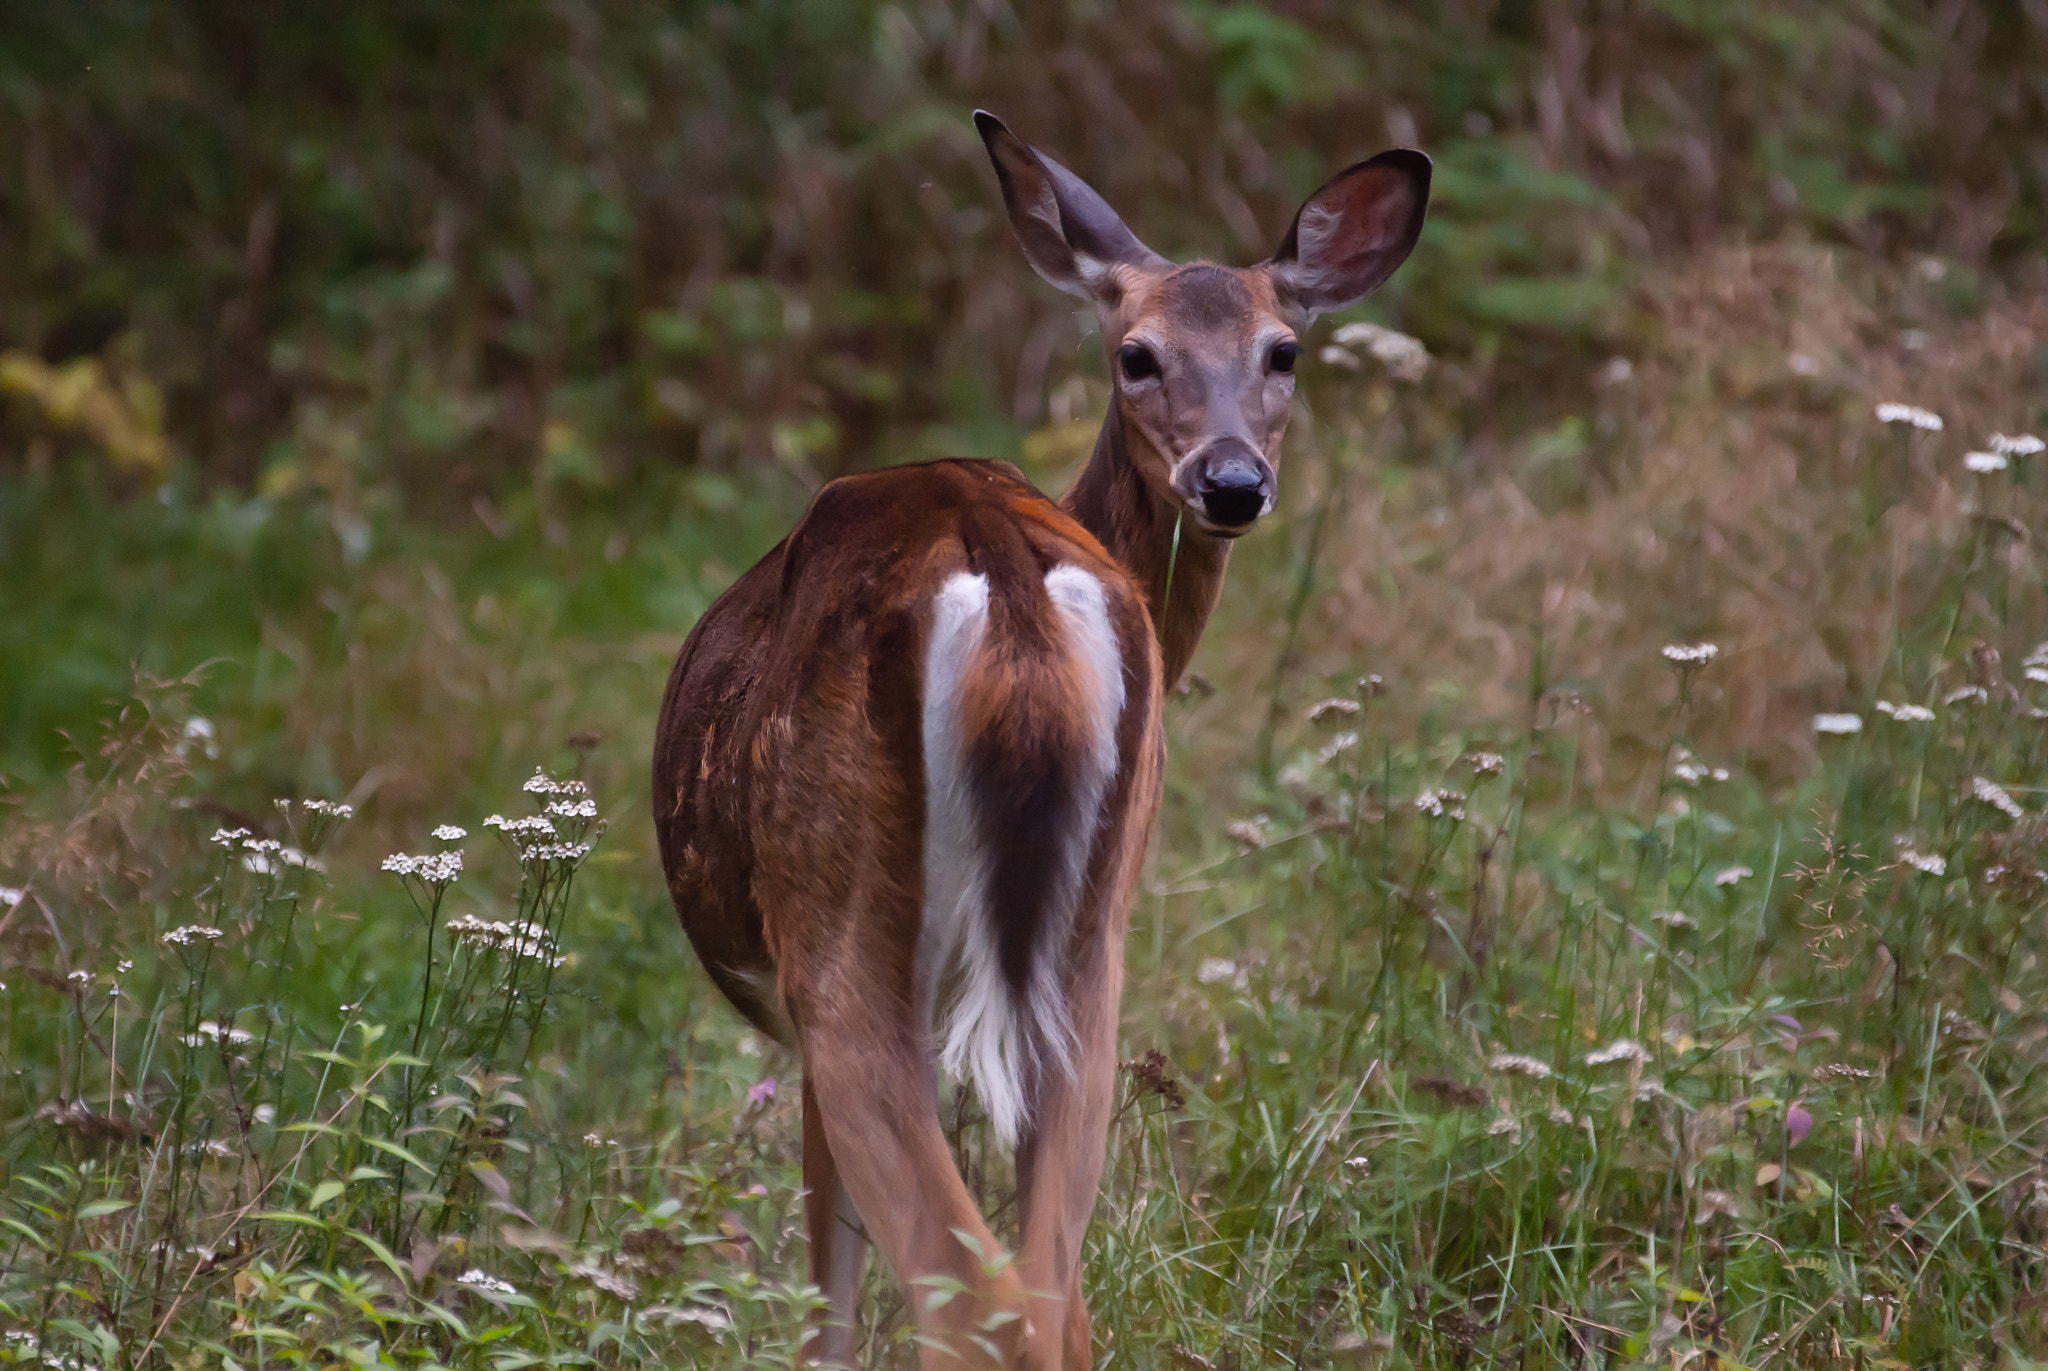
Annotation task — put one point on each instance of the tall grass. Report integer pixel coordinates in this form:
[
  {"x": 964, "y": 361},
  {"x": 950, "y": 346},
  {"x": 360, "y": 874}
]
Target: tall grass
[{"x": 1571, "y": 1001}]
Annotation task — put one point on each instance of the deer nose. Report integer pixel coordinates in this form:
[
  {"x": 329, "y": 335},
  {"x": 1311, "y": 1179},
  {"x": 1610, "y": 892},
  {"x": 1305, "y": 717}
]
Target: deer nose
[{"x": 1233, "y": 487}]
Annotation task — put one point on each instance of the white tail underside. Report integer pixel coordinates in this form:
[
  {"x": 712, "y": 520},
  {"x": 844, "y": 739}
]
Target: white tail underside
[{"x": 988, "y": 1034}]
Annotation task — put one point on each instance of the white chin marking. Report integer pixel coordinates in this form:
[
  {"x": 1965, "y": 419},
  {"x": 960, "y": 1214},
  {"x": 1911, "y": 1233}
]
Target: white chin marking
[{"x": 988, "y": 1033}]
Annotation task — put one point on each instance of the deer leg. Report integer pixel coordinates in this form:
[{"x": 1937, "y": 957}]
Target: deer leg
[
  {"x": 1059, "y": 1167},
  {"x": 873, "y": 1084},
  {"x": 839, "y": 1248}
]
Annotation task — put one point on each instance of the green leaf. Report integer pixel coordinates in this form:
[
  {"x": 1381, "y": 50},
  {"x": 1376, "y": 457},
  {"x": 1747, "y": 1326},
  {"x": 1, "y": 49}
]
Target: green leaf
[
  {"x": 101, "y": 1208},
  {"x": 325, "y": 1192}
]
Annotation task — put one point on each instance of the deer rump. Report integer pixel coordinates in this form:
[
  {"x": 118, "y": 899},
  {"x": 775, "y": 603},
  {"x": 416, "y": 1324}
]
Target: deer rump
[{"x": 906, "y": 791}]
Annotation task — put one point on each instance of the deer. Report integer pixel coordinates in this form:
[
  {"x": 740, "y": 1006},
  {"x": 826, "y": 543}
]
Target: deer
[{"x": 908, "y": 765}]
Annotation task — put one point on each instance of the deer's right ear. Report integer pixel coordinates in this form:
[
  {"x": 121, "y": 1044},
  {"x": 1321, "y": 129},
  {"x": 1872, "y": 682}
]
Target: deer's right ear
[{"x": 1070, "y": 235}]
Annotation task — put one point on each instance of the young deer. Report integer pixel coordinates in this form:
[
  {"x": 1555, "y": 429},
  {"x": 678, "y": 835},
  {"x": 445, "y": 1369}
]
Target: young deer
[{"x": 907, "y": 766}]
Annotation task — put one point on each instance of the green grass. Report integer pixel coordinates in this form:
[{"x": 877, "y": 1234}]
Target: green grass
[{"x": 1512, "y": 1073}]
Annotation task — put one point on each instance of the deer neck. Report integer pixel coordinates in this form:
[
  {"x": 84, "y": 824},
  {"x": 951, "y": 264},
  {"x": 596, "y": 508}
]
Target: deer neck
[{"x": 1112, "y": 501}]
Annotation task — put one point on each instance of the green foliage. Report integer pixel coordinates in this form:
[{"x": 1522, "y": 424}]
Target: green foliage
[{"x": 436, "y": 247}]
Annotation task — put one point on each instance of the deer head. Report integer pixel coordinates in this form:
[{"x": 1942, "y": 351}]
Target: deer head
[{"x": 1202, "y": 356}]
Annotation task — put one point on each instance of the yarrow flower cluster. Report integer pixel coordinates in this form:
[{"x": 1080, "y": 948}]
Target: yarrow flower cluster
[
  {"x": 328, "y": 808},
  {"x": 476, "y": 1278},
  {"x": 1486, "y": 763},
  {"x": 1691, "y": 655},
  {"x": 529, "y": 941},
  {"x": 1515, "y": 1064},
  {"x": 1337, "y": 747},
  {"x": 1931, "y": 863},
  {"x": 1441, "y": 804},
  {"x": 1620, "y": 1050},
  {"x": 430, "y": 868},
  {"x": 2016, "y": 445},
  {"x": 531, "y": 828},
  {"x": 2036, "y": 664},
  {"x": 11, "y": 895},
  {"x": 1984, "y": 463},
  {"x": 449, "y": 833},
  {"x": 573, "y": 809},
  {"x": 211, "y": 1032},
  {"x": 1967, "y": 695},
  {"x": 191, "y": 934},
  {"x": 1993, "y": 794},
  {"x": 540, "y": 783},
  {"x": 1729, "y": 875},
  {"x": 1336, "y": 707},
  {"x": 1405, "y": 358},
  {"x": 1892, "y": 412},
  {"x": 1691, "y": 770},
  {"x": 1838, "y": 723},
  {"x": 228, "y": 837},
  {"x": 1904, "y": 714}
]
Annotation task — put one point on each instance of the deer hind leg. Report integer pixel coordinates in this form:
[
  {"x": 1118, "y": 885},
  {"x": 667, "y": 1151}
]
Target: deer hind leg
[
  {"x": 873, "y": 1084},
  {"x": 839, "y": 1248},
  {"x": 1060, "y": 1161}
]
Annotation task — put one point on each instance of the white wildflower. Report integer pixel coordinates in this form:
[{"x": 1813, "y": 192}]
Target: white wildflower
[
  {"x": 1506, "y": 1125},
  {"x": 1334, "y": 356},
  {"x": 2037, "y": 674},
  {"x": 11, "y": 895},
  {"x": 1561, "y": 1116},
  {"x": 1620, "y": 1050},
  {"x": 430, "y": 868},
  {"x": 1838, "y": 723},
  {"x": 1993, "y": 794},
  {"x": 80, "y": 978},
  {"x": 1337, "y": 747},
  {"x": 1932, "y": 863},
  {"x": 1984, "y": 463},
  {"x": 266, "y": 1113},
  {"x": 1729, "y": 875},
  {"x": 1486, "y": 763},
  {"x": 1690, "y": 655},
  {"x": 1675, "y": 919},
  {"x": 189, "y": 934},
  {"x": 228, "y": 837},
  {"x": 1247, "y": 832},
  {"x": 1891, "y": 412},
  {"x": 1441, "y": 804},
  {"x": 476, "y": 1278},
  {"x": 449, "y": 833},
  {"x": 540, "y": 783},
  {"x": 2016, "y": 445},
  {"x": 1967, "y": 695},
  {"x": 573, "y": 809},
  {"x": 1216, "y": 969},
  {"x": 1515, "y": 1064},
  {"x": 1336, "y": 707},
  {"x": 329, "y": 808},
  {"x": 1904, "y": 714},
  {"x": 1405, "y": 358},
  {"x": 1842, "y": 1071}
]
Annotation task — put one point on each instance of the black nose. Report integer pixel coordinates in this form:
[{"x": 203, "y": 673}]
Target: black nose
[{"x": 1233, "y": 491}]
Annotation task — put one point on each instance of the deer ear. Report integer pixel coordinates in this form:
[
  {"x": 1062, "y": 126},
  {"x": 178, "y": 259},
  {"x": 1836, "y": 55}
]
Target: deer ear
[
  {"x": 1349, "y": 236},
  {"x": 1070, "y": 235}
]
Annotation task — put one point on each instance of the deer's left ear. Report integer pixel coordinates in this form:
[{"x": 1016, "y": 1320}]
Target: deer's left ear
[{"x": 1349, "y": 236}]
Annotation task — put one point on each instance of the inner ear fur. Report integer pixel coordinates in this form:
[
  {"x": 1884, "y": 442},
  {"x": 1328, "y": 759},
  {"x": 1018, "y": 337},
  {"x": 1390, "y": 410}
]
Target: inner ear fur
[
  {"x": 1351, "y": 234},
  {"x": 1070, "y": 235}
]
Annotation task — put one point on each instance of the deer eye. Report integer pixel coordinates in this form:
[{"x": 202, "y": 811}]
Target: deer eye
[
  {"x": 1283, "y": 356},
  {"x": 1137, "y": 361}
]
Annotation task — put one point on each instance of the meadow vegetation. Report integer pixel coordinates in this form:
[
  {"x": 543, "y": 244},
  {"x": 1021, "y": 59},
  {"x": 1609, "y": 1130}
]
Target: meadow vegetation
[{"x": 1597, "y": 918}]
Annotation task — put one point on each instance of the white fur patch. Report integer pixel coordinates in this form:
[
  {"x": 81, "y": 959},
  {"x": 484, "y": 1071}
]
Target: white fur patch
[{"x": 989, "y": 1035}]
